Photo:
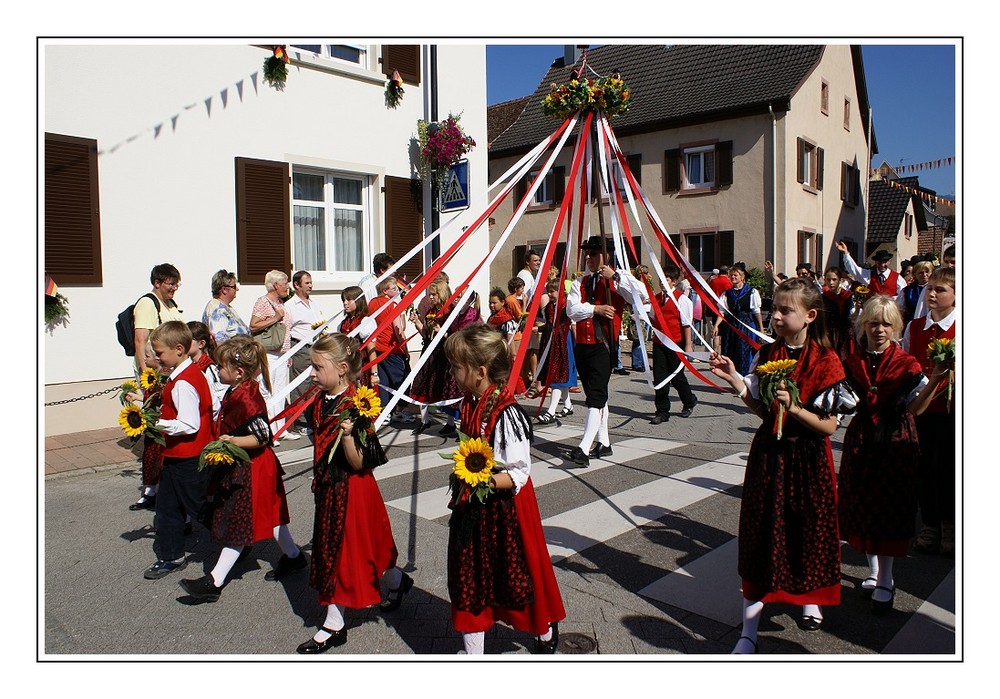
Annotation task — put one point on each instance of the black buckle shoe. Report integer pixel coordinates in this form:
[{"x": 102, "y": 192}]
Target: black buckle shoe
[
  {"x": 395, "y": 597},
  {"x": 146, "y": 502},
  {"x": 314, "y": 647},
  {"x": 600, "y": 451},
  {"x": 286, "y": 566},
  {"x": 548, "y": 647},
  {"x": 577, "y": 456},
  {"x": 686, "y": 412},
  {"x": 659, "y": 418},
  {"x": 202, "y": 589},
  {"x": 162, "y": 568}
]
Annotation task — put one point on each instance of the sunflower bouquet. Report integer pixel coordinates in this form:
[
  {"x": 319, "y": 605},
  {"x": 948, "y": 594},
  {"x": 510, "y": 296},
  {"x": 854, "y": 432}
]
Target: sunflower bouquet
[
  {"x": 860, "y": 295},
  {"x": 127, "y": 388},
  {"x": 219, "y": 453},
  {"x": 772, "y": 374},
  {"x": 362, "y": 409},
  {"x": 152, "y": 380},
  {"x": 473, "y": 469},
  {"x": 941, "y": 351},
  {"x": 137, "y": 421}
]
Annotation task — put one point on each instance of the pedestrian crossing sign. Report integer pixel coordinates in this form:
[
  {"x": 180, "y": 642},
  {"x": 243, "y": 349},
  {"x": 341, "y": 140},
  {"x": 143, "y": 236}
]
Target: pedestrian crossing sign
[{"x": 454, "y": 193}]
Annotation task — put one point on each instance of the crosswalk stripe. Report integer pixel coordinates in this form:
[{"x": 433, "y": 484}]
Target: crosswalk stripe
[
  {"x": 574, "y": 531},
  {"x": 931, "y": 626}
]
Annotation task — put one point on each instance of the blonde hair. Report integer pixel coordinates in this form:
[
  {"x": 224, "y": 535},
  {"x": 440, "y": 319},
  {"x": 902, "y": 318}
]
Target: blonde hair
[
  {"x": 443, "y": 291},
  {"x": 922, "y": 266},
  {"x": 880, "y": 308},
  {"x": 244, "y": 352},
  {"x": 339, "y": 348},
  {"x": 171, "y": 334},
  {"x": 805, "y": 294}
]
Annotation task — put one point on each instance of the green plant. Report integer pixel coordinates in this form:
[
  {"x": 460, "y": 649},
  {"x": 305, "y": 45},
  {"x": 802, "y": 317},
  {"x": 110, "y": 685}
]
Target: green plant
[{"x": 758, "y": 280}]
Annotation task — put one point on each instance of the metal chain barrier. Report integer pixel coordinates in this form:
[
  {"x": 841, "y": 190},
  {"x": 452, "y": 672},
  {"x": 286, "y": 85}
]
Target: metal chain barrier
[{"x": 92, "y": 395}]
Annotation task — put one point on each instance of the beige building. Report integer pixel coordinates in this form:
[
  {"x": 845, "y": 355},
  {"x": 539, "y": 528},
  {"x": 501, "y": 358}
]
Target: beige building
[{"x": 746, "y": 152}]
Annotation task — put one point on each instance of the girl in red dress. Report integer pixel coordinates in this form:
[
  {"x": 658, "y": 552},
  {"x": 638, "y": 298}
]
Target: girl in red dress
[
  {"x": 356, "y": 316},
  {"x": 352, "y": 538},
  {"x": 249, "y": 497},
  {"x": 789, "y": 544},
  {"x": 837, "y": 306},
  {"x": 202, "y": 350},
  {"x": 498, "y": 564}
]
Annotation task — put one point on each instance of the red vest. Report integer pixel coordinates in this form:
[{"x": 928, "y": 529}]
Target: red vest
[
  {"x": 888, "y": 288},
  {"x": 184, "y": 446},
  {"x": 672, "y": 317},
  {"x": 920, "y": 337},
  {"x": 601, "y": 294}
]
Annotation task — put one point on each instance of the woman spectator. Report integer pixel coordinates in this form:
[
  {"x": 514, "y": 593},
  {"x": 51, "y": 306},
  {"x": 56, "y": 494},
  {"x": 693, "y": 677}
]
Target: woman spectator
[
  {"x": 221, "y": 318},
  {"x": 743, "y": 302},
  {"x": 269, "y": 310}
]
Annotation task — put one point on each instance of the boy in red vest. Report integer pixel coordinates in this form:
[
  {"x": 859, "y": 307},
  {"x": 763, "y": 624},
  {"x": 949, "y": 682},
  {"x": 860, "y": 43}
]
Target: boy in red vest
[
  {"x": 936, "y": 426},
  {"x": 677, "y": 312},
  {"x": 186, "y": 424},
  {"x": 880, "y": 279}
]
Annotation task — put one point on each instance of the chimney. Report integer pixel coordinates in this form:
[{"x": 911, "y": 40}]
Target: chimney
[{"x": 571, "y": 54}]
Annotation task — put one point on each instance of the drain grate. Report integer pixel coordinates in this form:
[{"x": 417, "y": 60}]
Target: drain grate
[{"x": 576, "y": 644}]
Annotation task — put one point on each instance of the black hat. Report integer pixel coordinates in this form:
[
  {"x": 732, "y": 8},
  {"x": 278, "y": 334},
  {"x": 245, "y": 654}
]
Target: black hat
[
  {"x": 882, "y": 256},
  {"x": 594, "y": 243},
  {"x": 739, "y": 265}
]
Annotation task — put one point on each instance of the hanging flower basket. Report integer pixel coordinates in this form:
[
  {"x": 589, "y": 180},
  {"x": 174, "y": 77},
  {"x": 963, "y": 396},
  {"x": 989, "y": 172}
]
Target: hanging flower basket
[
  {"x": 608, "y": 94},
  {"x": 394, "y": 90},
  {"x": 56, "y": 311},
  {"x": 276, "y": 67},
  {"x": 442, "y": 144}
]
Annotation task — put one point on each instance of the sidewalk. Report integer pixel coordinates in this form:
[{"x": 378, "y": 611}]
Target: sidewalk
[{"x": 92, "y": 450}]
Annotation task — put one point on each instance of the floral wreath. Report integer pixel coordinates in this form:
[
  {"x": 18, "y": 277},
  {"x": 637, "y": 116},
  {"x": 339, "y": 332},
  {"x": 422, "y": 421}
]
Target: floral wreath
[{"x": 609, "y": 94}]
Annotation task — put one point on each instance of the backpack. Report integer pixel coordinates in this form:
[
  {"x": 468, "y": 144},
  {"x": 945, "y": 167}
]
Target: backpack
[{"x": 125, "y": 325}]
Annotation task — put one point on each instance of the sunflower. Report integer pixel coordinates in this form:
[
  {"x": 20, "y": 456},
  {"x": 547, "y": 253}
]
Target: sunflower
[
  {"x": 130, "y": 387},
  {"x": 367, "y": 402},
  {"x": 132, "y": 420},
  {"x": 863, "y": 290},
  {"x": 474, "y": 462},
  {"x": 219, "y": 458},
  {"x": 149, "y": 378},
  {"x": 778, "y": 365}
]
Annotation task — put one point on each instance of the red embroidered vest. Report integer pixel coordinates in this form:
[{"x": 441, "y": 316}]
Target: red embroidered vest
[
  {"x": 888, "y": 287},
  {"x": 671, "y": 315},
  {"x": 920, "y": 337},
  {"x": 600, "y": 294},
  {"x": 184, "y": 446}
]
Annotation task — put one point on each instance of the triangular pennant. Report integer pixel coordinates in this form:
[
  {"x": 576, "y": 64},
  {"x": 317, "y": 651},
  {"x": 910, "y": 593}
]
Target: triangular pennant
[
  {"x": 208, "y": 105},
  {"x": 224, "y": 95},
  {"x": 239, "y": 88},
  {"x": 156, "y": 130},
  {"x": 173, "y": 122},
  {"x": 253, "y": 79}
]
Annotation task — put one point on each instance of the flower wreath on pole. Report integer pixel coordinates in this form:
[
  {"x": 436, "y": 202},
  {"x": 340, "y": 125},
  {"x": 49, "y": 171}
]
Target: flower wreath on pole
[
  {"x": 275, "y": 67},
  {"x": 442, "y": 144},
  {"x": 609, "y": 94},
  {"x": 394, "y": 90}
]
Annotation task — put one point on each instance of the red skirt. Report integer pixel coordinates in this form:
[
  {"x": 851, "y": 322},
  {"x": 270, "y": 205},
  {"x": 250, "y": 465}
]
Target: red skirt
[
  {"x": 548, "y": 607},
  {"x": 270, "y": 508}
]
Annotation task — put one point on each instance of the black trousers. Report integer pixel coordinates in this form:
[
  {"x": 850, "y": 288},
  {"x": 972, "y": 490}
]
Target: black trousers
[
  {"x": 665, "y": 361},
  {"x": 593, "y": 366},
  {"x": 181, "y": 493},
  {"x": 300, "y": 363},
  {"x": 936, "y": 487}
]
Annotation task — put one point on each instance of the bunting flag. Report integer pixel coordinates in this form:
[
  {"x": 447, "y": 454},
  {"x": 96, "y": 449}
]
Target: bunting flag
[
  {"x": 915, "y": 191},
  {"x": 887, "y": 170},
  {"x": 50, "y": 286}
]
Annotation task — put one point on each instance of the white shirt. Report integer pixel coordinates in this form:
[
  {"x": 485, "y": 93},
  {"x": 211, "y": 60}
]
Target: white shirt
[
  {"x": 529, "y": 281},
  {"x": 754, "y": 301},
  {"x": 866, "y": 274},
  {"x": 945, "y": 324},
  {"x": 629, "y": 288},
  {"x": 516, "y": 457},
  {"x": 301, "y": 315},
  {"x": 186, "y": 400}
]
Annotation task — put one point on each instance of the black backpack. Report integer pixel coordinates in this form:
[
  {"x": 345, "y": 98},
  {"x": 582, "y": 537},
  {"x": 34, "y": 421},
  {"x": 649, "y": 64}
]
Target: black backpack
[{"x": 125, "y": 325}]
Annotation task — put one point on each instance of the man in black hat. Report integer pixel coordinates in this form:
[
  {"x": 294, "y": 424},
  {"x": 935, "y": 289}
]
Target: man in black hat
[
  {"x": 880, "y": 279},
  {"x": 595, "y": 303}
]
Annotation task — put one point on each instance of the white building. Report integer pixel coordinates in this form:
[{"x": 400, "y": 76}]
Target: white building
[{"x": 163, "y": 145}]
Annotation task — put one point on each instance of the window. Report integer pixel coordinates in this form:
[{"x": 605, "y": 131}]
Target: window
[
  {"x": 330, "y": 229},
  {"x": 634, "y": 162},
  {"x": 543, "y": 195},
  {"x": 850, "y": 184},
  {"x": 809, "y": 170},
  {"x": 350, "y": 53},
  {"x": 907, "y": 225},
  {"x": 810, "y": 249},
  {"x": 549, "y": 192},
  {"x": 72, "y": 210},
  {"x": 824, "y": 97},
  {"x": 703, "y": 167},
  {"x": 847, "y": 113},
  {"x": 706, "y": 250}
]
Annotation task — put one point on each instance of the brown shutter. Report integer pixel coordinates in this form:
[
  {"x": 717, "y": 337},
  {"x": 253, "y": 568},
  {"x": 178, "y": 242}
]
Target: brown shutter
[
  {"x": 819, "y": 168},
  {"x": 800, "y": 251},
  {"x": 818, "y": 257},
  {"x": 672, "y": 170},
  {"x": 72, "y": 210},
  {"x": 404, "y": 223},
  {"x": 263, "y": 219},
  {"x": 405, "y": 59},
  {"x": 856, "y": 186},
  {"x": 635, "y": 166},
  {"x": 520, "y": 189},
  {"x": 724, "y": 163},
  {"x": 558, "y": 184},
  {"x": 845, "y": 182},
  {"x": 727, "y": 249},
  {"x": 799, "y": 153},
  {"x": 516, "y": 261}
]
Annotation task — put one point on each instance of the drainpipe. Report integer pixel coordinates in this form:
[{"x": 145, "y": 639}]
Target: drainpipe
[
  {"x": 435, "y": 252},
  {"x": 868, "y": 178},
  {"x": 774, "y": 185}
]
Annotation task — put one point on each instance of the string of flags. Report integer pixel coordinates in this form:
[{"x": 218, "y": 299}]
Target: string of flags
[
  {"x": 926, "y": 196},
  {"x": 913, "y": 167}
]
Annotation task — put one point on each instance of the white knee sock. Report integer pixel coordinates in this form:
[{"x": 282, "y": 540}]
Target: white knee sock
[
  {"x": 884, "y": 579},
  {"x": 285, "y": 541},
  {"x": 150, "y": 490},
  {"x": 602, "y": 433},
  {"x": 751, "y": 618},
  {"x": 569, "y": 400},
  {"x": 393, "y": 578},
  {"x": 227, "y": 559},
  {"x": 812, "y": 610},
  {"x": 334, "y": 622},
  {"x": 424, "y": 414},
  {"x": 451, "y": 419},
  {"x": 554, "y": 403},
  {"x": 590, "y": 428},
  {"x": 872, "y": 572},
  {"x": 547, "y": 636},
  {"x": 475, "y": 643}
]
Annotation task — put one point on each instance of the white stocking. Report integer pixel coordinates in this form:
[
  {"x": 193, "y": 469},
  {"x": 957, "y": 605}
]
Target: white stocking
[
  {"x": 424, "y": 414},
  {"x": 334, "y": 621},
  {"x": 590, "y": 429},
  {"x": 812, "y": 610},
  {"x": 285, "y": 541},
  {"x": 475, "y": 643},
  {"x": 227, "y": 559},
  {"x": 602, "y": 434},
  {"x": 884, "y": 579},
  {"x": 554, "y": 403},
  {"x": 751, "y": 618}
]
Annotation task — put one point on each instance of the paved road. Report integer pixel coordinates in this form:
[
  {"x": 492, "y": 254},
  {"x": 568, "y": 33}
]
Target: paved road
[{"x": 643, "y": 544}]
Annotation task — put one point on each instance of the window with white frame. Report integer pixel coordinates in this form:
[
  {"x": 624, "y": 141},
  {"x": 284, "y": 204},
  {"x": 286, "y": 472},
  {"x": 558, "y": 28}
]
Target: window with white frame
[
  {"x": 543, "y": 195},
  {"x": 699, "y": 167},
  {"x": 349, "y": 53},
  {"x": 330, "y": 221}
]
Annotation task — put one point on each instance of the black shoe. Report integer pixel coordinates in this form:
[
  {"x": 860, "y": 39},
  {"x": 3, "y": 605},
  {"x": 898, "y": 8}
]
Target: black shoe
[
  {"x": 577, "y": 456},
  {"x": 448, "y": 431},
  {"x": 395, "y": 597},
  {"x": 244, "y": 553},
  {"x": 810, "y": 623},
  {"x": 659, "y": 418},
  {"x": 548, "y": 647},
  {"x": 202, "y": 589},
  {"x": 161, "y": 569},
  {"x": 883, "y": 607},
  {"x": 421, "y": 428},
  {"x": 689, "y": 408},
  {"x": 286, "y": 566},
  {"x": 146, "y": 502},
  {"x": 622, "y": 372},
  {"x": 313, "y": 647},
  {"x": 600, "y": 451}
]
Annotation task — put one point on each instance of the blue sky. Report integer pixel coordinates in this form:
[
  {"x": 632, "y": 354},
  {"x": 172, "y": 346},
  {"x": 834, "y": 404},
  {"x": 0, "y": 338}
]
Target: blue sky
[{"x": 911, "y": 89}]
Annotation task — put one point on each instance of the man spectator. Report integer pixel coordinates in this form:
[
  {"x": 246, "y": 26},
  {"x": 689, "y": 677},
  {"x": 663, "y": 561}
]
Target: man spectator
[
  {"x": 380, "y": 264},
  {"x": 219, "y": 315},
  {"x": 532, "y": 261},
  {"x": 303, "y": 313},
  {"x": 881, "y": 279},
  {"x": 146, "y": 317}
]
